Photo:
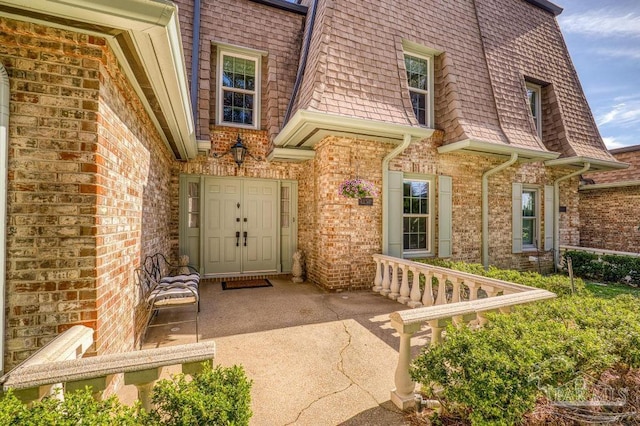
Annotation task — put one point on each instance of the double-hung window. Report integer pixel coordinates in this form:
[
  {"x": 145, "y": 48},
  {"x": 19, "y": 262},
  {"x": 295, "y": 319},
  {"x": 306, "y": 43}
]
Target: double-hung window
[
  {"x": 420, "y": 81},
  {"x": 534, "y": 97},
  {"x": 416, "y": 219},
  {"x": 238, "y": 101},
  {"x": 530, "y": 218}
]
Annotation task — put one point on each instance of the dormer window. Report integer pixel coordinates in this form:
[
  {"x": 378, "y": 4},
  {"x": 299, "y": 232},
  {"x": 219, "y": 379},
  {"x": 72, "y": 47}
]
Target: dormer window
[
  {"x": 534, "y": 96},
  {"x": 419, "y": 79},
  {"x": 238, "y": 101}
]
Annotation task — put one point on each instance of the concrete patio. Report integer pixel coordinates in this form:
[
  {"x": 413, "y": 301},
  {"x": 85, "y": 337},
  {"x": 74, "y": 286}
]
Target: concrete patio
[{"x": 315, "y": 358}]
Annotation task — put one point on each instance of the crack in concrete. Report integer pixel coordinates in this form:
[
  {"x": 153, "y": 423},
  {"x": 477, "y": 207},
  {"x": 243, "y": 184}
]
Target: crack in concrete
[{"x": 340, "y": 368}]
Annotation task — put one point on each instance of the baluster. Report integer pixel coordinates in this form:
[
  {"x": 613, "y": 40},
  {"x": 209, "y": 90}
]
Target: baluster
[
  {"x": 377, "y": 282},
  {"x": 386, "y": 283},
  {"x": 415, "y": 289},
  {"x": 402, "y": 396},
  {"x": 442, "y": 290},
  {"x": 490, "y": 290},
  {"x": 395, "y": 284},
  {"x": 427, "y": 297},
  {"x": 436, "y": 332},
  {"x": 455, "y": 296},
  {"x": 404, "y": 288},
  {"x": 473, "y": 291}
]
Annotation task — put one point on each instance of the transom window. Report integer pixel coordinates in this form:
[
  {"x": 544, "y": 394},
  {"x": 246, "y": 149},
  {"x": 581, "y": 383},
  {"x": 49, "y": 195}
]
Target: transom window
[
  {"x": 416, "y": 216},
  {"x": 420, "y": 86},
  {"x": 530, "y": 218},
  {"x": 534, "y": 94},
  {"x": 239, "y": 89}
]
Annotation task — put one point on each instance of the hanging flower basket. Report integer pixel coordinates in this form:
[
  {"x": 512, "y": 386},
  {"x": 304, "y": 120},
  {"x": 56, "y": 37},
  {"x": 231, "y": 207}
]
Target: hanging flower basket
[{"x": 357, "y": 188}]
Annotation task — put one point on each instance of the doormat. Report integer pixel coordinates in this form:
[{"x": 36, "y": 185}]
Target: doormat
[{"x": 235, "y": 285}]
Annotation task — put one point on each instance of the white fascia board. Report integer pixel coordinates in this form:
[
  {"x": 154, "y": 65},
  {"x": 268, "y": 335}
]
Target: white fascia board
[
  {"x": 290, "y": 154},
  {"x": 622, "y": 184},
  {"x": 479, "y": 147},
  {"x": 311, "y": 126},
  {"x": 596, "y": 164},
  {"x": 154, "y": 28}
]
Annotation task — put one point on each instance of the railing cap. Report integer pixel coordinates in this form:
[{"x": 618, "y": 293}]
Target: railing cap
[{"x": 85, "y": 368}]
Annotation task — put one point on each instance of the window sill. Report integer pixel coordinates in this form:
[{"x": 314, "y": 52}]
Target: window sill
[
  {"x": 239, "y": 126},
  {"x": 417, "y": 254},
  {"x": 530, "y": 249}
]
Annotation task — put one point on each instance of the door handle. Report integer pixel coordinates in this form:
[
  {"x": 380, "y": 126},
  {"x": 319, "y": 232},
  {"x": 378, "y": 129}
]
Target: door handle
[
  {"x": 244, "y": 234},
  {"x": 238, "y": 239}
]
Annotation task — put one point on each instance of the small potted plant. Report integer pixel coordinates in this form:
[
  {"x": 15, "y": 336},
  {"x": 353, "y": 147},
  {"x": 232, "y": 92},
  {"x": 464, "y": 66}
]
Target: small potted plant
[{"x": 358, "y": 188}]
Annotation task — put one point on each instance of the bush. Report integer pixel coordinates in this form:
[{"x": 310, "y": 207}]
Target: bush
[
  {"x": 494, "y": 375},
  {"x": 215, "y": 397},
  {"x": 219, "y": 396},
  {"x": 559, "y": 284},
  {"x": 607, "y": 268}
]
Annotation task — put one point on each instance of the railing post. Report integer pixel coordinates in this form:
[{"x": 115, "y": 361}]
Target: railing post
[
  {"x": 415, "y": 290},
  {"x": 395, "y": 285},
  {"x": 473, "y": 291},
  {"x": 404, "y": 287},
  {"x": 442, "y": 289},
  {"x": 427, "y": 297},
  {"x": 436, "y": 332},
  {"x": 403, "y": 394},
  {"x": 377, "y": 282},
  {"x": 143, "y": 380},
  {"x": 386, "y": 282},
  {"x": 455, "y": 296}
]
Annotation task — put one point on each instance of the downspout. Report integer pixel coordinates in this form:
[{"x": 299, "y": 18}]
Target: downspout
[
  {"x": 4, "y": 169},
  {"x": 195, "y": 65},
  {"x": 485, "y": 206},
  {"x": 303, "y": 64},
  {"x": 556, "y": 212},
  {"x": 385, "y": 190}
]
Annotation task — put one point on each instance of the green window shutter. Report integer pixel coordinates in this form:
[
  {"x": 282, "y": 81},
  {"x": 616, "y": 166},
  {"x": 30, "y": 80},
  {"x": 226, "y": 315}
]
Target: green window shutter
[
  {"x": 445, "y": 191},
  {"x": 548, "y": 217},
  {"x": 516, "y": 198},
  {"x": 394, "y": 205}
]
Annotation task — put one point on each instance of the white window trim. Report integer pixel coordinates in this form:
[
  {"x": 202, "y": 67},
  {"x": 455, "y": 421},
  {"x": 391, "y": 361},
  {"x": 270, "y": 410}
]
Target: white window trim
[
  {"x": 408, "y": 254},
  {"x": 537, "y": 218},
  {"x": 245, "y": 54},
  {"x": 537, "y": 119},
  {"x": 429, "y": 92}
]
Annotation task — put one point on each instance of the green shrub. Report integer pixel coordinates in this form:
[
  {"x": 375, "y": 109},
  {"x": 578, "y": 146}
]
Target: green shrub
[
  {"x": 607, "y": 268},
  {"x": 219, "y": 396},
  {"x": 78, "y": 408},
  {"x": 559, "y": 284},
  {"x": 494, "y": 375}
]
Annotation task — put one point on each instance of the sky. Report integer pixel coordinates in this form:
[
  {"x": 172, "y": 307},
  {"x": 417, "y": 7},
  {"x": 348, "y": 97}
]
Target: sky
[{"x": 603, "y": 37}]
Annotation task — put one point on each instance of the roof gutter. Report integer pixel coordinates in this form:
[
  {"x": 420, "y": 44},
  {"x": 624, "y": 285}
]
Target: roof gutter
[
  {"x": 556, "y": 211},
  {"x": 4, "y": 168},
  {"x": 195, "y": 60},
  {"x": 385, "y": 190},
  {"x": 485, "y": 205},
  {"x": 154, "y": 29}
]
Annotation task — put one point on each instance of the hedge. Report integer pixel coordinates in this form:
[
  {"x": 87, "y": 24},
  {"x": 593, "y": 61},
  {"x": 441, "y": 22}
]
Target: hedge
[
  {"x": 606, "y": 268},
  {"x": 219, "y": 396}
]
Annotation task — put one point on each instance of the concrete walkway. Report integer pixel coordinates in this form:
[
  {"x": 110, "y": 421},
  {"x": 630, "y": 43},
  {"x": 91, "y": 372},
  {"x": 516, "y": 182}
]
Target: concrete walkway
[{"x": 315, "y": 358}]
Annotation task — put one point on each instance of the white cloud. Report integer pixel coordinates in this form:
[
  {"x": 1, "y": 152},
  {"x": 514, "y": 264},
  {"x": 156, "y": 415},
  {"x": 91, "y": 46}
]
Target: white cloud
[
  {"x": 613, "y": 143},
  {"x": 619, "y": 52},
  {"x": 602, "y": 23},
  {"x": 625, "y": 114}
]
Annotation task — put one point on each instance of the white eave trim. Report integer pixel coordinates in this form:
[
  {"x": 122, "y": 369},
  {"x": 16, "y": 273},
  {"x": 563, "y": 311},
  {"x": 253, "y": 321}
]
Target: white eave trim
[
  {"x": 596, "y": 164},
  {"x": 609, "y": 185},
  {"x": 306, "y": 128},
  {"x": 291, "y": 154},
  {"x": 154, "y": 28},
  {"x": 479, "y": 147}
]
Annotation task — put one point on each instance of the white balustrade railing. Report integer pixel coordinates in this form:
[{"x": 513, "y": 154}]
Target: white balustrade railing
[
  {"x": 439, "y": 295},
  {"x": 55, "y": 367}
]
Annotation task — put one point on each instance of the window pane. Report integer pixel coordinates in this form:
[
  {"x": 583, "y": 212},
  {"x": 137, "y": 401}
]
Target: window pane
[
  {"x": 424, "y": 206},
  {"x": 528, "y": 204},
  {"x": 406, "y": 205},
  {"x": 226, "y": 114},
  {"x": 419, "y": 189},
  {"x": 415, "y": 225},
  {"x": 415, "y": 205},
  {"x": 528, "y": 231},
  {"x": 406, "y": 189},
  {"x": 194, "y": 220},
  {"x": 418, "y": 101}
]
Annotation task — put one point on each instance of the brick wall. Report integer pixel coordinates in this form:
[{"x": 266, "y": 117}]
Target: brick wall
[
  {"x": 83, "y": 159},
  {"x": 609, "y": 218}
]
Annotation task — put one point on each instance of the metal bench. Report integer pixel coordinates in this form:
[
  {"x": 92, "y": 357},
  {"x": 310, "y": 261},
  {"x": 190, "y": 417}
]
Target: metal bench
[{"x": 164, "y": 285}]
